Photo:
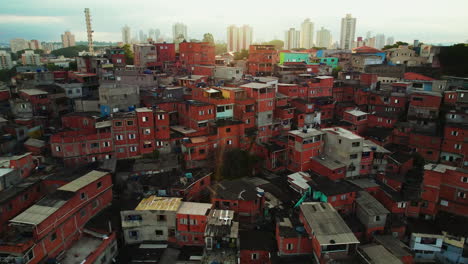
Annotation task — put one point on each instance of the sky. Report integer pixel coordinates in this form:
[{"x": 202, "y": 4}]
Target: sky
[{"x": 430, "y": 21}]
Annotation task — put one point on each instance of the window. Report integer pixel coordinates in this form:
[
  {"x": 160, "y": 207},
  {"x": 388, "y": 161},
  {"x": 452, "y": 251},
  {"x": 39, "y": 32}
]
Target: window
[
  {"x": 25, "y": 197},
  {"x": 356, "y": 144},
  {"x": 402, "y": 205},
  {"x": 254, "y": 256},
  {"x": 333, "y": 199},
  {"x": 133, "y": 218},
  {"x": 94, "y": 145},
  {"x": 121, "y": 150},
  {"x": 161, "y": 218},
  {"x": 444, "y": 203},
  {"x": 83, "y": 196},
  {"x": 131, "y": 136},
  {"x": 106, "y": 144},
  {"x": 464, "y": 179},
  {"x": 159, "y": 232},
  {"x": 210, "y": 111},
  {"x": 201, "y": 112},
  {"x": 201, "y": 151},
  {"x": 377, "y": 218},
  {"x": 453, "y": 116},
  {"x": 53, "y": 237},
  {"x": 133, "y": 234},
  {"x": 58, "y": 148},
  {"x": 228, "y": 130},
  {"x": 353, "y": 156},
  {"x": 229, "y": 142},
  {"x": 118, "y": 123},
  {"x": 457, "y": 146},
  {"x": 343, "y": 197},
  {"x": 95, "y": 204},
  {"x": 83, "y": 213},
  {"x": 144, "y": 119},
  {"x": 183, "y": 221},
  {"x": 159, "y": 143},
  {"x": 130, "y": 123},
  {"x": 160, "y": 117},
  {"x": 133, "y": 149},
  {"x": 147, "y": 131},
  {"x": 461, "y": 195},
  {"x": 193, "y": 221},
  {"x": 99, "y": 184},
  {"x": 289, "y": 246},
  {"x": 119, "y": 137}
]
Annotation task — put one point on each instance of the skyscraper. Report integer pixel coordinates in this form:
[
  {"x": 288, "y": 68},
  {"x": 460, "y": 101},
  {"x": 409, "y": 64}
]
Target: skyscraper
[
  {"x": 179, "y": 33},
  {"x": 379, "y": 41},
  {"x": 157, "y": 34},
  {"x": 30, "y": 58},
  {"x": 390, "y": 41},
  {"x": 292, "y": 39},
  {"x": 18, "y": 44},
  {"x": 348, "y": 29},
  {"x": 34, "y": 44},
  {"x": 126, "y": 36},
  {"x": 324, "y": 38},
  {"x": 143, "y": 37},
  {"x": 239, "y": 38},
  {"x": 307, "y": 34}
]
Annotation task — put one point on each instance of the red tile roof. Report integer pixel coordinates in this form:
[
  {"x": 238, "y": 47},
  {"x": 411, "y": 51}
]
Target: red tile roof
[
  {"x": 366, "y": 49},
  {"x": 417, "y": 76}
]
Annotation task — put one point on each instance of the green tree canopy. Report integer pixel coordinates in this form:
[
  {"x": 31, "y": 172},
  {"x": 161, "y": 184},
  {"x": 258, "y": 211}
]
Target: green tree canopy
[
  {"x": 128, "y": 54},
  {"x": 396, "y": 45},
  {"x": 454, "y": 60},
  {"x": 69, "y": 52},
  {"x": 243, "y": 54},
  {"x": 220, "y": 48},
  {"x": 208, "y": 37},
  {"x": 238, "y": 163},
  {"x": 279, "y": 44}
]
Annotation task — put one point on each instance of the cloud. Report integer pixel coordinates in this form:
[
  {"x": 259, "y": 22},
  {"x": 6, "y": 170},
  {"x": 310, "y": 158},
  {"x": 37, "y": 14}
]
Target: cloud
[{"x": 18, "y": 19}]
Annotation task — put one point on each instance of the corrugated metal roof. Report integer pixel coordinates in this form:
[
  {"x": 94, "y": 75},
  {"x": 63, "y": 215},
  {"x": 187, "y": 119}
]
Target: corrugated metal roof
[
  {"x": 370, "y": 205},
  {"x": 83, "y": 181},
  {"x": 159, "y": 203},
  {"x": 35, "y": 214}
]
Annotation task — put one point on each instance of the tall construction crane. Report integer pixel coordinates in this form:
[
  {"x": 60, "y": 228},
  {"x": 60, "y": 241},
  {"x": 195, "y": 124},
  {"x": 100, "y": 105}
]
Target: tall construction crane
[{"x": 89, "y": 30}]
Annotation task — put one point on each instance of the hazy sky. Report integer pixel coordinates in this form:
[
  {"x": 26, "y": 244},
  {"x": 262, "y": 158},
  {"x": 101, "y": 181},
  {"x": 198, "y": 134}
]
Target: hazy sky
[{"x": 430, "y": 21}]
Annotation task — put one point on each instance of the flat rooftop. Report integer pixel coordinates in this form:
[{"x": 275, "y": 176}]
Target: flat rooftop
[
  {"x": 342, "y": 132},
  {"x": 377, "y": 254},
  {"x": 190, "y": 208},
  {"x": 304, "y": 133},
  {"x": 33, "y": 91},
  {"x": 330, "y": 163},
  {"x": 355, "y": 112},
  {"x": 81, "y": 249},
  {"x": 327, "y": 225},
  {"x": 159, "y": 203},
  {"x": 370, "y": 205},
  {"x": 255, "y": 85}
]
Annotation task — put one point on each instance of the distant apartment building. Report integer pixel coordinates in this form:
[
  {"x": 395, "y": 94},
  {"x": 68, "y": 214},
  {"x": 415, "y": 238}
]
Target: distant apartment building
[
  {"x": 126, "y": 37},
  {"x": 292, "y": 39},
  {"x": 239, "y": 38},
  {"x": 30, "y": 58},
  {"x": 348, "y": 29},
  {"x": 307, "y": 34},
  {"x": 324, "y": 38},
  {"x": 18, "y": 44},
  {"x": 379, "y": 41},
  {"x": 68, "y": 39},
  {"x": 179, "y": 33},
  {"x": 5, "y": 60},
  {"x": 35, "y": 44}
]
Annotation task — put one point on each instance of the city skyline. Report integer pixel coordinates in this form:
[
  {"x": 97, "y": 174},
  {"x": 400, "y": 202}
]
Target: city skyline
[{"x": 21, "y": 20}]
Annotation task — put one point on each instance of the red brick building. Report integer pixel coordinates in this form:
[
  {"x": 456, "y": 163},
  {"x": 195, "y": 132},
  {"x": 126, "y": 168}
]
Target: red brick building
[
  {"x": 262, "y": 59},
  {"x": 256, "y": 247},
  {"x": 191, "y": 219},
  {"x": 302, "y": 146},
  {"x": 193, "y": 53},
  {"x": 56, "y": 221}
]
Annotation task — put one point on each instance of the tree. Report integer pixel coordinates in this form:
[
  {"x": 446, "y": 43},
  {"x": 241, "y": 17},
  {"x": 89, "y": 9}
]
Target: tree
[
  {"x": 220, "y": 48},
  {"x": 73, "y": 66},
  {"x": 208, "y": 37},
  {"x": 243, "y": 54},
  {"x": 238, "y": 163},
  {"x": 396, "y": 45},
  {"x": 5, "y": 75},
  {"x": 53, "y": 67},
  {"x": 454, "y": 60},
  {"x": 69, "y": 52},
  {"x": 128, "y": 54},
  {"x": 336, "y": 70},
  {"x": 279, "y": 44}
]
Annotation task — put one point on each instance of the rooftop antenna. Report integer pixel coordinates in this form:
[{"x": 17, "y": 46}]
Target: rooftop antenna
[{"x": 89, "y": 30}]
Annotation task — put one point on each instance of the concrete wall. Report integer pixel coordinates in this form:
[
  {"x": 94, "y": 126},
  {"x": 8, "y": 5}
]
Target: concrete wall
[
  {"x": 86, "y": 105},
  {"x": 148, "y": 226},
  {"x": 119, "y": 96},
  {"x": 264, "y": 118},
  {"x": 228, "y": 73},
  {"x": 369, "y": 221},
  {"x": 342, "y": 151}
]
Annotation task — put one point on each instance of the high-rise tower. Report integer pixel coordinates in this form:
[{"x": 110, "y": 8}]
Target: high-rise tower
[{"x": 89, "y": 30}]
